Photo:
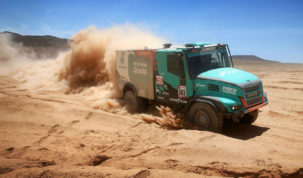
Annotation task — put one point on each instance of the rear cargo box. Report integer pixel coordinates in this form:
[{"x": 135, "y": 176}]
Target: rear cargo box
[{"x": 136, "y": 67}]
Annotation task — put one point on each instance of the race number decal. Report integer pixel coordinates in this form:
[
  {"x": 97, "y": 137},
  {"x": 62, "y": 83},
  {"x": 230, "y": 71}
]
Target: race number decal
[
  {"x": 159, "y": 80},
  {"x": 181, "y": 91}
]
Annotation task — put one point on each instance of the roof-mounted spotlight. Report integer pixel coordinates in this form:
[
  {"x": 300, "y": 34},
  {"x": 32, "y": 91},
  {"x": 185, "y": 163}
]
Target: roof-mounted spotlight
[{"x": 166, "y": 45}]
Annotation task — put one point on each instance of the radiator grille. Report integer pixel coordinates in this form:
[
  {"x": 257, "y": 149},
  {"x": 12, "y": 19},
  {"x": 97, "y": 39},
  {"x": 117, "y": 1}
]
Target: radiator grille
[
  {"x": 252, "y": 88},
  {"x": 253, "y": 101},
  {"x": 253, "y": 93}
]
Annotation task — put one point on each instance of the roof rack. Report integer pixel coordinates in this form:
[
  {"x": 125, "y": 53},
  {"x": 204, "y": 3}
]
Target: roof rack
[{"x": 197, "y": 44}]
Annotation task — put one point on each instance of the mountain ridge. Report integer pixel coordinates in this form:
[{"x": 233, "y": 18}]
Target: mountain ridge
[
  {"x": 46, "y": 46},
  {"x": 50, "y": 46}
]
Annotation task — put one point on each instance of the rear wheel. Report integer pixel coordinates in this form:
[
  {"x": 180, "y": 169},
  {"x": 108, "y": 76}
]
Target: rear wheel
[
  {"x": 249, "y": 118},
  {"x": 205, "y": 118},
  {"x": 133, "y": 103}
]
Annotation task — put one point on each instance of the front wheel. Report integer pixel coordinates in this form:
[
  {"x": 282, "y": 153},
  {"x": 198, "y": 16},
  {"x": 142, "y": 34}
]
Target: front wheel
[
  {"x": 249, "y": 118},
  {"x": 205, "y": 118}
]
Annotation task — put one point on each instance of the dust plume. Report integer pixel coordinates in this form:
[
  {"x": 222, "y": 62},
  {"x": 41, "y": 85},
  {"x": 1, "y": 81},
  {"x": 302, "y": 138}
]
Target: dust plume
[
  {"x": 92, "y": 56},
  {"x": 87, "y": 70},
  {"x": 22, "y": 63},
  {"x": 13, "y": 51},
  {"x": 90, "y": 68}
]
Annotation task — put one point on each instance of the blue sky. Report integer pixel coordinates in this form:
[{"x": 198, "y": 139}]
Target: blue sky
[{"x": 271, "y": 29}]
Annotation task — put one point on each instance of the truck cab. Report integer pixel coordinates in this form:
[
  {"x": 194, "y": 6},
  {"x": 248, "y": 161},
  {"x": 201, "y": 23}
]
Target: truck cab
[{"x": 200, "y": 79}]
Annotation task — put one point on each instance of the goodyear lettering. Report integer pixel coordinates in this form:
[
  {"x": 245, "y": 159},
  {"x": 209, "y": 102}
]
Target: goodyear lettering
[{"x": 178, "y": 100}]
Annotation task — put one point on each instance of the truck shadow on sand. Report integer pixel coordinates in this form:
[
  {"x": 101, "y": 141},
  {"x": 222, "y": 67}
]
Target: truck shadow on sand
[{"x": 242, "y": 131}]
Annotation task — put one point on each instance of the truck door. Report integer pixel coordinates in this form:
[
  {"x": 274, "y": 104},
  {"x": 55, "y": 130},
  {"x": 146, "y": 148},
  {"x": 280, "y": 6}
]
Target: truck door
[{"x": 170, "y": 85}]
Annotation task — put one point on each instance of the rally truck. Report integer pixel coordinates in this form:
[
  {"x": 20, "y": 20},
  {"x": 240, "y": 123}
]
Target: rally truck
[{"x": 197, "y": 78}]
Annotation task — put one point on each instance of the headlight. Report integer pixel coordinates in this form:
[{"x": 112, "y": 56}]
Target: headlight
[{"x": 235, "y": 108}]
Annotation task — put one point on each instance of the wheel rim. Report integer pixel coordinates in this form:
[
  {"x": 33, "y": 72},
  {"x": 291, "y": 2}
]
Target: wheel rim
[{"x": 202, "y": 119}]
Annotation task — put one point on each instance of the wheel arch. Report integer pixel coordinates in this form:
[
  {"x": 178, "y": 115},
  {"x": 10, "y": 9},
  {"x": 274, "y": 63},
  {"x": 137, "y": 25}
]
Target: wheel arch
[
  {"x": 209, "y": 100},
  {"x": 129, "y": 86}
]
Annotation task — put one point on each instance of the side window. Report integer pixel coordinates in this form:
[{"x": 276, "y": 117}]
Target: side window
[{"x": 175, "y": 64}]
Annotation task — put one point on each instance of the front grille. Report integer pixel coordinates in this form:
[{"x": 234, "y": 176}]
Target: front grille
[
  {"x": 252, "y": 94},
  {"x": 252, "y": 88},
  {"x": 253, "y": 101},
  {"x": 213, "y": 87}
]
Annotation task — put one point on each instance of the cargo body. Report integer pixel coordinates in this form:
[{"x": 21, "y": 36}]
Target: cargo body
[
  {"x": 198, "y": 78},
  {"x": 135, "y": 70}
]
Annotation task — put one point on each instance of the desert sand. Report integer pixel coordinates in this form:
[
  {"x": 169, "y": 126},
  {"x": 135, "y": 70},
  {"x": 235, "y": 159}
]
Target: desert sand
[{"x": 48, "y": 132}]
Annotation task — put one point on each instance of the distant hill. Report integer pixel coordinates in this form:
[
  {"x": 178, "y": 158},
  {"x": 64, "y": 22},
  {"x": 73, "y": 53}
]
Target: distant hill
[
  {"x": 43, "y": 46},
  {"x": 49, "y": 47},
  {"x": 249, "y": 59}
]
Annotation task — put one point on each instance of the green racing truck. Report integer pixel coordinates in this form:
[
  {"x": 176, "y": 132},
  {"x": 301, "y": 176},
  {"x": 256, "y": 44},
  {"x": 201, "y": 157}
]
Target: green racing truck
[{"x": 197, "y": 78}]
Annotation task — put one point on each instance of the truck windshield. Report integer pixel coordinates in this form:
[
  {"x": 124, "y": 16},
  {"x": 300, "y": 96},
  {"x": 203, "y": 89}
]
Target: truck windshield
[{"x": 203, "y": 63}]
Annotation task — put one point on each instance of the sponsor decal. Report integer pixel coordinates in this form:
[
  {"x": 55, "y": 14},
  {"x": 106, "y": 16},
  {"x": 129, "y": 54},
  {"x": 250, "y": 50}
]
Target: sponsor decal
[
  {"x": 140, "y": 68},
  {"x": 165, "y": 93},
  {"x": 200, "y": 85},
  {"x": 229, "y": 90},
  {"x": 161, "y": 97},
  {"x": 178, "y": 100},
  {"x": 155, "y": 65},
  {"x": 149, "y": 54},
  {"x": 158, "y": 91},
  {"x": 181, "y": 91},
  {"x": 159, "y": 80}
]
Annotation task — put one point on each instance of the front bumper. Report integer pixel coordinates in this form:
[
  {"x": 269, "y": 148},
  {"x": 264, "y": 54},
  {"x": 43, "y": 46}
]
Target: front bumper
[
  {"x": 246, "y": 110},
  {"x": 255, "y": 107}
]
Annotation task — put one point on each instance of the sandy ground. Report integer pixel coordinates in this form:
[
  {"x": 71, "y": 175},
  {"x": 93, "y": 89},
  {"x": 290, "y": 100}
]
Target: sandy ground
[{"x": 53, "y": 134}]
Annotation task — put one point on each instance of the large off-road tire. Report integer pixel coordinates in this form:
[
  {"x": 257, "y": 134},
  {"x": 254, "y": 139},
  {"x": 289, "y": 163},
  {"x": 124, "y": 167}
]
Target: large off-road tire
[
  {"x": 133, "y": 103},
  {"x": 205, "y": 118},
  {"x": 249, "y": 118}
]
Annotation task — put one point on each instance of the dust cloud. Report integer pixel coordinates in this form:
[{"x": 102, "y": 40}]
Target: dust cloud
[
  {"x": 92, "y": 56},
  {"x": 22, "y": 64},
  {"x": 86, "y": 70},
  {"x": 13, "y": 51}
]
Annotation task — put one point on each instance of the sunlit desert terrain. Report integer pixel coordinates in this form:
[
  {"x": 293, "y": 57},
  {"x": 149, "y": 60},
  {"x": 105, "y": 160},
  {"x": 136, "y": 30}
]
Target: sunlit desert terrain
[{"x": 53, "y": 133}]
